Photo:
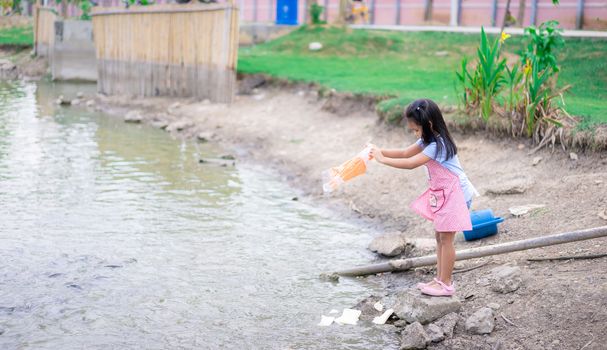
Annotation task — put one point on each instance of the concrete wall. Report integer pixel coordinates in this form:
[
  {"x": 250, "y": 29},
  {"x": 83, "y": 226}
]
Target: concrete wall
[{"x": 73, "y": 52}]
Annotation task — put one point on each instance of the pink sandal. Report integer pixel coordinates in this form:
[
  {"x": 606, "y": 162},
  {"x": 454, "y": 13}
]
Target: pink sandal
[
  {"x": 422, "y": 285},
  {"x": 444, "y": 291}
]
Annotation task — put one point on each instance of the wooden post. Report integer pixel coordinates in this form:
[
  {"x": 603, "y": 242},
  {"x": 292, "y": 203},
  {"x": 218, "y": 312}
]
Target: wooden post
[
  {"x": 520, "y": 17},
  {"x": 494, "y": 14},
  {"x": 533, "y": 12},
  {"x": 397, "y": 12},
  {"x": 579, "y": 16},
  {"x": 373, "y": 11},
  {"x": 503, "y": 248}
]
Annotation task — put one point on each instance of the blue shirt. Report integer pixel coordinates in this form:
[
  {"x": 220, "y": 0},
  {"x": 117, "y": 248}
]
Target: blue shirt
[{"x": 451, "y": 164}]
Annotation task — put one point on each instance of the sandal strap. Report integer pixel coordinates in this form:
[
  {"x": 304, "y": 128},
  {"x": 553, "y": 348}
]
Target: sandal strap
[{"x": 445, "y": 287}]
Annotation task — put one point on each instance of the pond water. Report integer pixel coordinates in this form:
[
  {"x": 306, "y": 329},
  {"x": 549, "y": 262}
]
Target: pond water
[{"x": 113, "y": 236}]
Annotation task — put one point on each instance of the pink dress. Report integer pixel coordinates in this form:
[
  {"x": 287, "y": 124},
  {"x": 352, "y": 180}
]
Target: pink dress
[{"x": 444, "y": 202}]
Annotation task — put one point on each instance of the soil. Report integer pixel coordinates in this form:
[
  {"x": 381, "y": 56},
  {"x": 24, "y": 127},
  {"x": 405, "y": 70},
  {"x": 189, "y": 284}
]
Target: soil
[{"x": 561, "y": 305}]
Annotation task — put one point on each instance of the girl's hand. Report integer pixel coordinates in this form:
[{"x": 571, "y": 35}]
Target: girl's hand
[{"x": 376, "y": 154}]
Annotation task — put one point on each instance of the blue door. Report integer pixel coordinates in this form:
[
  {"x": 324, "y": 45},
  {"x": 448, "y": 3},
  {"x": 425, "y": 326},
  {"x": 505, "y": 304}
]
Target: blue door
[{"x": 286, "y": 12}]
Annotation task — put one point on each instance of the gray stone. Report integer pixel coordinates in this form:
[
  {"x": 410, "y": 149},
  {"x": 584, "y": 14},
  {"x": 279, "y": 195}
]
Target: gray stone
[
  {"x": 368, "y": 312},
  {"x": 205, "y": 136},
  {"x": 400, "y": 323},
  {"x": 80, "y": 94},
  {"x": 90, "y": 103},
  {"x": 414, "y": 337},
  {"x": 388, "y": 244},
  {"x": 423, "y": 245},
  {"x": 133, "y": 116},
  {"x": 75, "y": 102},
  {"x": 447, "y": 323},
  {"x": 179, "y": 125},
  {"x": 481, "y": 322},
  {"x": 160, "y": 124},
  {"x": 494, "y": 306},
  {"x": 505, "y": 279},
  {"x": 513, "y": 186},
  {"x": 412, "y": 306},
  {"x": 573, "y": 156},
  {"x": 435, "y": 333},
  {"x": 8, "y": 70},
  {"x": 537, "y": 160}
]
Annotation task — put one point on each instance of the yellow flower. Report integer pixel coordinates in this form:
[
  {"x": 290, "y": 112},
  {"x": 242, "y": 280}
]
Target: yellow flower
[
  {"x": 504, "y": 37},
  {"x": 527, "y": 68}
]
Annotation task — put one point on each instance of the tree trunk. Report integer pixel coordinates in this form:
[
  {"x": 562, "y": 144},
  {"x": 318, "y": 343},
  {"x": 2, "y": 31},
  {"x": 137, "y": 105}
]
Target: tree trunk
[
  {"x": 64, "y": 8},
  {"x": 506, "y": 14},
  {"x": 428, "y": 11},
  {"x": 343, "y": 12},
  {"x": 520, "y": 18}
]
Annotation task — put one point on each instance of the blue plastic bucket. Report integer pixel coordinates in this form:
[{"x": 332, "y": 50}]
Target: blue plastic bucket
[{"x": 484, "y": 224}]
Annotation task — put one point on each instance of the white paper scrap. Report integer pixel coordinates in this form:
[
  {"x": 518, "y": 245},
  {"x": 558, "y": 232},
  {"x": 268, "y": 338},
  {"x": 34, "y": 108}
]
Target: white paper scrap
[
  {"x": 349, "y": 316},
  {"x": 384, "y": 317},
  {"x": 326, "y": 321}
]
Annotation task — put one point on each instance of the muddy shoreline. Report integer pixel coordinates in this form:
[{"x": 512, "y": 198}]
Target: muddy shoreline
[{"x": 560, "y": 305}]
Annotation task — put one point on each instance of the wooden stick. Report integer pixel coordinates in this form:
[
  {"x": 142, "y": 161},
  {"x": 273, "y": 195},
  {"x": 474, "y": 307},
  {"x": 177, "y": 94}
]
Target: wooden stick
[
  {"x": 508, "y": 321},
  {"x": 407, "y": 264},
  {"x": 573, "y": 257},
  {"x": 470, "y": 268}
]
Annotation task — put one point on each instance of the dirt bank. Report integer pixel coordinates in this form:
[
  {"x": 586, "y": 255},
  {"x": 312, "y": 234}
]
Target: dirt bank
[{"x": 561, "y": 305}]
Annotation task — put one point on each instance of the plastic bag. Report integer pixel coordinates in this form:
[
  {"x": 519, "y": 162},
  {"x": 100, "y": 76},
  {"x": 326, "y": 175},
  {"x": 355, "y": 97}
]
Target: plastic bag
[{"x": 336, "y": 176}]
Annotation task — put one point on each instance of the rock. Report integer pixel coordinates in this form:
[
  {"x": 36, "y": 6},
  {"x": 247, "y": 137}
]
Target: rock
[
  {"x": 160, "y": 124},
  {"x": 573, "y": 156},
  {"x": 441, "y": 53},
  {"x": 388, "y": 244},
  {"x": 205, "y": 136},
  {"x": 75, "y": 102},
  {"x": 8, "y": 70},
  {"x": 521, "y": 146},
  {"x": 537, "y": 160},
  {"x": 481, "y": 322},
  {"x": 603, "y": 214},
  {"x": 447, "y": 323},
  {"x": 314, "y": 46},
  {"x": 505, "y": 279},
  {"x": 133, "y": 116},
  {"x": 80, "y": 94},
  {"x": 525, "y": 209},
  {"x": 250, "y": 82},
  {"x": 400, "y": 323},
  {"x": 330, "y": 277},
  {"x": 494, "y": 306},
  {"x": 514, "y": 186},
  {"x": 423, "y": 245},
  {"x": 367, "y": 308},
  {"x": 90, "y": 103},
  {"x": 435, "y": 333},
  {"x": 179, "y": 125},
  {"x": 414, "y": 337},
  {"x": 412, "y": 306},
  {"x": 227, "y": 157}
]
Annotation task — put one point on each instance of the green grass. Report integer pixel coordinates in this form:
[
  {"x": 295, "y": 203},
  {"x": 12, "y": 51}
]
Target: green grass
[
  {"x": 17, "y": 36},
  {"x": 406, "y": 64}
]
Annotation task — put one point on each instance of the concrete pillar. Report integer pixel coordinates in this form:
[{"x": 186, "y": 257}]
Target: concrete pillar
[
  {"x": 454, "y": 12},
  {"x": 397, "y": 12},
  {"x": 579, "y": 16},
  {"x": 533, "y": 12},
  {"x": 494, "y": 14}
]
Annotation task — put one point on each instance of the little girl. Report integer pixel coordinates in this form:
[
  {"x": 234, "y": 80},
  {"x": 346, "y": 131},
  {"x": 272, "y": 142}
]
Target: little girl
[{"x": 449, "y": 197}]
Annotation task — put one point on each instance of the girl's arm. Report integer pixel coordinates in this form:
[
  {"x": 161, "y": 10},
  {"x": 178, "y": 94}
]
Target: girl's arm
[
  {"x": 402, "y": 153},
  {"x": 401, "y": 163}
]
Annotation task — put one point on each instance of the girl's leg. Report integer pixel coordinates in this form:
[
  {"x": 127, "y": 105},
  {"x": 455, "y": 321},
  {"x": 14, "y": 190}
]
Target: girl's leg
[
  {"x": 438, "y": 254},
  {"x": 447, "y": 260}
]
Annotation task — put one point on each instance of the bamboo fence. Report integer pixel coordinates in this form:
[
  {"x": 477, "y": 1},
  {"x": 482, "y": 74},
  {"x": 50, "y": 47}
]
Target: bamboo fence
[
  {"x": 167, "y": 50},
  {"x": 44, "y": 30}
]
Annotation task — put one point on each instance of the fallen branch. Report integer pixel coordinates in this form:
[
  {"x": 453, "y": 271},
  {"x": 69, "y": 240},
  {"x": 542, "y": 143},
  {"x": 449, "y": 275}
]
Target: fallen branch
[
  {"x": 572, "y": 257},
  {"x": 470, "y": 268},
  {"x": 508, "y": 321},
  {"x": 473, "y": 253}
]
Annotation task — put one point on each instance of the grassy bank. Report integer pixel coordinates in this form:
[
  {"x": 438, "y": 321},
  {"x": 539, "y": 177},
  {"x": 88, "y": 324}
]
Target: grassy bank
[
  {"x": 413, "y": 65},
  {"x": 17, "y": 36}
]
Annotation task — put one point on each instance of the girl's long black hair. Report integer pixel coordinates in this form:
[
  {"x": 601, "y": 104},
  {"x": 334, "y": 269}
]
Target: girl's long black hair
[{"x": 426, "y": 114}]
